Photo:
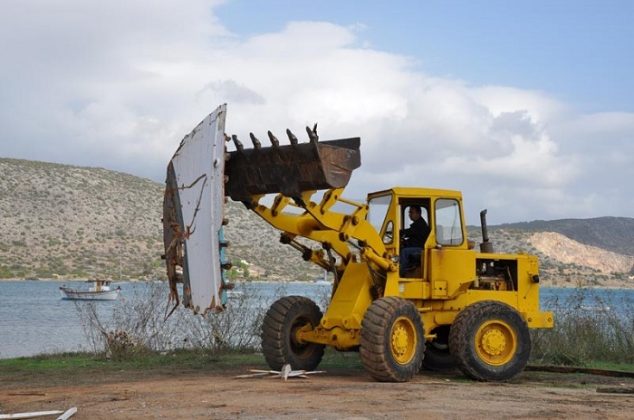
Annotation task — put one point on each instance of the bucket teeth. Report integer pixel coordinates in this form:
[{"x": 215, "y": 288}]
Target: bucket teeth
[
  {"x": 289, "y": 169},
  {"x": 291, "y": 137},
  {"x": 312, "y": 134},
  {"x": 237, "y": 142},
  {"x": 274, "y": 141},
  {"x": 256, "y": 142}
]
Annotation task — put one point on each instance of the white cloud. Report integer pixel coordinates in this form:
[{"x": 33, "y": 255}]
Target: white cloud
[
  {"x": 503, "y": 99},
  {"x": 118, "y": 84}
]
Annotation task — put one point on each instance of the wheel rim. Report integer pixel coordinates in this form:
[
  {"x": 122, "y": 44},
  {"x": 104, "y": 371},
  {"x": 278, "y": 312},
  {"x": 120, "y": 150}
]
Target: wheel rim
[
  {"x": 496, "y": 342},
  {"x": 403, "y": 340}
]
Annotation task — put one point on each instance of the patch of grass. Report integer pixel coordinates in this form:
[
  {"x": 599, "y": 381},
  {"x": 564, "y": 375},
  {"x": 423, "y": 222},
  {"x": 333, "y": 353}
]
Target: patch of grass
[
  {"x": 49, "y": 362},
  {"x": 77, "y": 362},
  {"x": 83, "y": 368},
  {"x": 623, "y": 367},
  {"x": 334, "y": 359},
  {"x": 86, "y": 368}
]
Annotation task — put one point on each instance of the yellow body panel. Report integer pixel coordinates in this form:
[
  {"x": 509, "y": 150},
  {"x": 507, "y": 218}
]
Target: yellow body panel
[
  {"x": 341, "y": 323},
  {"x": 452, "y": 271},
  {"x": 351, "y": 299}
]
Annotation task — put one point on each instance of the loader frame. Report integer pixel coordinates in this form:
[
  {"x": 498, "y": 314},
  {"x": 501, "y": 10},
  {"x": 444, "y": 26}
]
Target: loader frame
[{"x": 366, "y": 268}]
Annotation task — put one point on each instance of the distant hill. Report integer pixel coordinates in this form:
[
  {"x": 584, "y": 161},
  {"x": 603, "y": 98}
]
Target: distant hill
[
  {"x": 75, "y": 222},
  {"x": 612, "y": 233},
  {"x": 62, "y": 221}
]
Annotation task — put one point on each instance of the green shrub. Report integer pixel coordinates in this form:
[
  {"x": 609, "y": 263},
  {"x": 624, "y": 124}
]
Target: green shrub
[
  {"x": 5, "y": 273},
  {"x": 587, "y": 330}
]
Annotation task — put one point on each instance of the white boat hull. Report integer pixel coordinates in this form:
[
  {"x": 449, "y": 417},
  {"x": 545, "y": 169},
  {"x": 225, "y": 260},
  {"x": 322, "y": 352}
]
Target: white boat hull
[{"x": 72, "y": 294}]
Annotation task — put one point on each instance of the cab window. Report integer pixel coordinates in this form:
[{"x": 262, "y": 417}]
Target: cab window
[
  {"x": 377, "y": 210},
  {"x": 448, "y": 222}
]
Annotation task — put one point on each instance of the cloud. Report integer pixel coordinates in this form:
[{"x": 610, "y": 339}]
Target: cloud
[
  {"x": 118, "y": 84},
  {"x": 230, "y": 91}
]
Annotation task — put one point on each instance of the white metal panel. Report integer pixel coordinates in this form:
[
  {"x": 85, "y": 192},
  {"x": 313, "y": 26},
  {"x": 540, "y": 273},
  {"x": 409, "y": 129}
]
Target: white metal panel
[{"x": 199, "y": 169}]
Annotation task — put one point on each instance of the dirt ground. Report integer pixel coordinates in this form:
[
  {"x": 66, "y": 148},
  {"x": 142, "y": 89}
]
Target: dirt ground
[{"x": 340, "y": 394}]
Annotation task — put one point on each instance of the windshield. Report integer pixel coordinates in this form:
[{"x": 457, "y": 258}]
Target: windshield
[{"x": 377, "y": 210}]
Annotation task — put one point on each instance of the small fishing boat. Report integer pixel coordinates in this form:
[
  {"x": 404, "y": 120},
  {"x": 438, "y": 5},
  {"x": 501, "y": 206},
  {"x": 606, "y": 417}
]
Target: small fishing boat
[{"x": 99, "y": 291}]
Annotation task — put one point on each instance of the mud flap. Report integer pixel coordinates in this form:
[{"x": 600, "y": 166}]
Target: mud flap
[{"x": 193, "y": 211}]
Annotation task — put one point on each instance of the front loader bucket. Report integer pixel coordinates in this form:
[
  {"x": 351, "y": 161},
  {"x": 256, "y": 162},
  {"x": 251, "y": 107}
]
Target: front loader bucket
[
  {"x": 291, "y": 169},
  {"x": 201, "y": 173}
]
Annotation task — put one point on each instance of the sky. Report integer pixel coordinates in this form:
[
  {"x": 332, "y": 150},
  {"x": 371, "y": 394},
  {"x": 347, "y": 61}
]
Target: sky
[{"x": 527, "y": 107}]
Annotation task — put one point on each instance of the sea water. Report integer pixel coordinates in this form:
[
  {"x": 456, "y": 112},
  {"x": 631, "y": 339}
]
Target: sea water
[{"x": 34, "y": 319}]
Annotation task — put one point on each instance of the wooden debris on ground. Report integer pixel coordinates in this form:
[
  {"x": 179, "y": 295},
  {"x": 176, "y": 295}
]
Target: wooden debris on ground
[
  {"x": 285, "y": 373},
  {"x": 30, "y": 415},
  {"x": 63, "y": 415}
]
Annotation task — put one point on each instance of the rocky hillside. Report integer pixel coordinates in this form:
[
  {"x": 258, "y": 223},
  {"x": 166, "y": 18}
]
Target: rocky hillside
[
  {"x": 63, "y": 221},
  {"x": 612, "y": 233},
  {"x": 569, "y": 251},
  {"x": 66, "y": 221}
]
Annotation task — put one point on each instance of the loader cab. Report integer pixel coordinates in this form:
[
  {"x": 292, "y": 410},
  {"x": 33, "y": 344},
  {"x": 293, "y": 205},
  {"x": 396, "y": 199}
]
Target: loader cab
[{"x": 440, "y": 209}]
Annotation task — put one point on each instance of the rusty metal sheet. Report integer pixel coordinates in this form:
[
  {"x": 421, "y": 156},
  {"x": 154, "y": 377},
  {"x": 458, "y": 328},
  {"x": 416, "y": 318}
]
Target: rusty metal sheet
[
  {"x": 198, "y": 178},
  {"x": 193, "y": 212},
  {"x": 291, "y": 169}
]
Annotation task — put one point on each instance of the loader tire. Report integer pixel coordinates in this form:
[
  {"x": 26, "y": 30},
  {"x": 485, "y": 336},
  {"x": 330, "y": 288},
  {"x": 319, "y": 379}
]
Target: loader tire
[
  {"x": 490, "y": 341},
  {"x": 392, "y": 340},
  {"x": 438, "y": 358},
  {"x": 279, "y": 340}
]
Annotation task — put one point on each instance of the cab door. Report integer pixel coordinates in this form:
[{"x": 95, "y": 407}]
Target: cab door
[{"x": 451, "y": 265}]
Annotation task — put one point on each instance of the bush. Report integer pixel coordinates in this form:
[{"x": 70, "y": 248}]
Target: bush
[
  {"x": 587, "y": 330},
  {"x": 5, "y": 273},
  {"x": 120, "y": 346},
  {"x": 236, "y": 328},
  {"x": 135, "y": 324},
  {"x": 138, "y": 323}
]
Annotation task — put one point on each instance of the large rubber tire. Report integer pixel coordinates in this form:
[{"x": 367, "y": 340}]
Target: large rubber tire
[
  {"x": 392, "y": 340},
  {"x": 437, "y": 355},
  {"x": 490, "y": 341},
  {"x": 279, "y": 343}
]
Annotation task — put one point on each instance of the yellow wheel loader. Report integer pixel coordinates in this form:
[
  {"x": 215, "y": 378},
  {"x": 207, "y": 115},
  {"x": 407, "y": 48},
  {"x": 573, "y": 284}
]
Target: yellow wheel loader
[{"x": 454, "y": 306}]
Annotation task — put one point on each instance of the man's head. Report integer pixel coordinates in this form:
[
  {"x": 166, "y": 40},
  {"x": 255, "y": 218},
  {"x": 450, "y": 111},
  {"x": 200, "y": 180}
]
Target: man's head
[{"x": 414, "y": 213}]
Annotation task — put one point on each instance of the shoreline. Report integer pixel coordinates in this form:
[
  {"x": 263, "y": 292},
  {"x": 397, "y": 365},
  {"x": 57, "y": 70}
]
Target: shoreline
[{"x": 57, "y": 280}]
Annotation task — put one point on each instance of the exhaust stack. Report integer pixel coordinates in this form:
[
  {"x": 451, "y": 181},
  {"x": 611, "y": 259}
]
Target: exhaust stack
[{"x": 486, "y": 245}]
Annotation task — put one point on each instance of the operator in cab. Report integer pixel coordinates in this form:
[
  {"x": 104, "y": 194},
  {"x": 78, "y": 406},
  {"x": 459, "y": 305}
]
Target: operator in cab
[{"x": 413, "y": 240}]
